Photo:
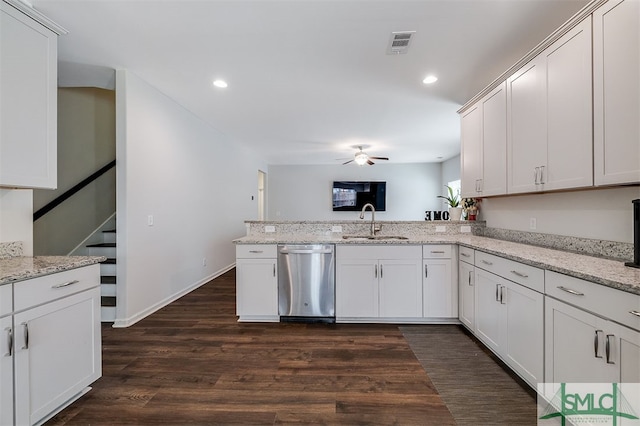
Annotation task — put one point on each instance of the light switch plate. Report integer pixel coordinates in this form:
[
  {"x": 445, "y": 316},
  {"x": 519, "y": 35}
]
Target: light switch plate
[{"x": 269, "y": 228}]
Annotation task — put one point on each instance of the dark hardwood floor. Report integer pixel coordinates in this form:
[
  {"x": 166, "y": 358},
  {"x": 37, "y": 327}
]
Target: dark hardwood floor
[{"x": 193, "y": 363}]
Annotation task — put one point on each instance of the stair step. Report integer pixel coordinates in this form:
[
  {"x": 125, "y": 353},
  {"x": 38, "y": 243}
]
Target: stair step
[
  {"x": 107, "y": 301},
  {"x": 109, "y": 231},
  {"x": 102, "y": 245},
  {"x": 108, "y": 279},
  {"x": 109, "y": 261}
]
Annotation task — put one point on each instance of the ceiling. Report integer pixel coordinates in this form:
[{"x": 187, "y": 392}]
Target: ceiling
[{"x": 310, "y": 80}]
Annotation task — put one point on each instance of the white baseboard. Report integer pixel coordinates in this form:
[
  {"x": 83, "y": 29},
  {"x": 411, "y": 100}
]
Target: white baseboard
[{"x": 127, "y": 322}]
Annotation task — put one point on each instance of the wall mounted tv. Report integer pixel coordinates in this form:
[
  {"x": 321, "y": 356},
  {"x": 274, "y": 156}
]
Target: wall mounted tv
[{"x": 352, "y": 195}]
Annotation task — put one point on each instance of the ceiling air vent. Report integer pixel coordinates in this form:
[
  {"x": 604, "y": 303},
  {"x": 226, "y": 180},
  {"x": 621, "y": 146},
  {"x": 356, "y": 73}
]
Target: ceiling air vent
[{"x": 399, "y": 42}]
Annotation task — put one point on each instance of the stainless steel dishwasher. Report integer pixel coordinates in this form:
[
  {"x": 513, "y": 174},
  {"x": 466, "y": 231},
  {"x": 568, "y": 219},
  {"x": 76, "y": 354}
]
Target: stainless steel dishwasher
[{"x": 306, "y": 283}]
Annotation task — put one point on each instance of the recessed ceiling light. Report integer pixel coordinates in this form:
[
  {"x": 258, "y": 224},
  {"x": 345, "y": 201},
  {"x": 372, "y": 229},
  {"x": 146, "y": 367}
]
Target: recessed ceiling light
[
  {"x": 220, "y": 83},
  {"x": 430, "y": 79}
]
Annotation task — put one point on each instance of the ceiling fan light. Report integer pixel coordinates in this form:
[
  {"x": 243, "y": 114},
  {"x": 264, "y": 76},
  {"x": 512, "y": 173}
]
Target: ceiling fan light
[{"x": 361, "y": 158}]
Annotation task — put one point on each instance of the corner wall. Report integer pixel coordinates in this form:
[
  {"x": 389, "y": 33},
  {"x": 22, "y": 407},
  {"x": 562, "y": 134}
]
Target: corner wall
[{"x": 194, "y": 182}]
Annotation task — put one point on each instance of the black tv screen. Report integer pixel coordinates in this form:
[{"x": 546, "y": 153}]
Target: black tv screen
[{"x": 352, "y": 195}]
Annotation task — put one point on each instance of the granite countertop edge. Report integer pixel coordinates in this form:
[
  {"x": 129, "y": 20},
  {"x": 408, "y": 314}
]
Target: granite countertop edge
[
  {"x": 607, "y": 272},
  {"x": 20, "y": 268}
]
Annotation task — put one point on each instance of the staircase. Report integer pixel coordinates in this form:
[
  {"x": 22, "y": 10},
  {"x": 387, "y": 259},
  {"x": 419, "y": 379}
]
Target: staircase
[{"x": 107, "y": 273}]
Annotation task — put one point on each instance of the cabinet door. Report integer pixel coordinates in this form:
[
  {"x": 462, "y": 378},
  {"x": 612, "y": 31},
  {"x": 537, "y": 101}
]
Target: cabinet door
[
  {"x": 6, "y": 371},
  {"x": 628, "y": 347},
  {"x": 357, "y": 288},
  {"x": 471, "y": 151},
  {"x": 28, "y": 82},
  {"x": 526, "y": 118},
  {"x": 494, "y": 142},
  {"x": 575, "y": 346},
  {"x": 523, "y": 321},
  {"x": 257, "y": 287},
  {"x": 487, "y": 309},
  {"x": 400, "y": 288},
  {"x": 569, "y": 110},
  {"x": 58, "y": 354},
  {"x": 616, "y": 96},
  {"x": 466, "y": 291},
  {"x": 440, "y": 295}
]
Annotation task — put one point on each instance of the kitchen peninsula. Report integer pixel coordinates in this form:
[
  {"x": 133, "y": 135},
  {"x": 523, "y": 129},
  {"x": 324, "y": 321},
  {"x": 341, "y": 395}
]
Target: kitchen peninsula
[
  {"x": 50, "y": 322},
  {"x": 534, "y": 307}
]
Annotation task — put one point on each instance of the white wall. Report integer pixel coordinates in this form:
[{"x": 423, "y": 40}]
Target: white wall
[
  {"x": 16, "y": 217},
  {"x": 604, "y": 214},
  {"x": 195, "y": 183},
  {"x": 304, "y": 192}
]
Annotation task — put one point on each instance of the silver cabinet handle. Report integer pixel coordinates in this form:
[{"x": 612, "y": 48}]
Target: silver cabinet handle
[
  {"x": 274, "y": 269},
  {"x": 535, "y": 176},
  {"x": 607, "y": 348},
  {"x": 470, "y": 278},
  {"x": 541, "y": 175},
  {"x": 570, "y": 291},
  {"x": 26, "y": 335},
  {"x": 256, "y": 251},
  {"x": 497, "y": 292},
  {"x": 502, "y": 302},
  {"x": 426, "y": 271},
  {"x": 375, "y": 271},
  {"x": 636, "y": 313},
  {"x": 596, "y": 344},
  {"x": 9, "y": 331},
  {"x": 68, "y": 283},
  {"x": 381, "y": 275},
  {"x": 520, "y": 274},
  {"x": 486, "y": 262},
  {"x": 437, "y": 251},
  {"x": 464, "y": 254}
]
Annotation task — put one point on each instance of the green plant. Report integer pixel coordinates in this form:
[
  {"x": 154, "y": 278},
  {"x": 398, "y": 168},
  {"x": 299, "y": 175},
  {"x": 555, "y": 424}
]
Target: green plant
[{"x": 453, "y": 200}]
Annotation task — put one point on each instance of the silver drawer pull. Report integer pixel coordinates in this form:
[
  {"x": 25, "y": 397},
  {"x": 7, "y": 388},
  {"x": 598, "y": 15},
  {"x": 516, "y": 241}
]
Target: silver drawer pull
[
  {"x": 9, "y": 341},
  {"x": 437, "y": 251},
  {"x": 607, "y": 348},
  {"x": 68, "y": 283},
  {"x": 570, "y": 291},
  {"x": 256, "y": 251},
  {"x": 520, "y": 274},
  {"x": 486, "y": 262},
  {"x": 26, "y": 335},
  {"x": 636, "y": 313},
  {"x": 464, "y": 254}
]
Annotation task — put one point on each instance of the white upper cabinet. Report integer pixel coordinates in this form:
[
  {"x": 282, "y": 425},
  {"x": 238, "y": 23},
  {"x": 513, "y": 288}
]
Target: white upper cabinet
[
  {"x": 549, "y": 112},
  {"x": 471, "y": 151},
  {"x": 28, "y": 106},
  {"x": 616, "y": 97}
]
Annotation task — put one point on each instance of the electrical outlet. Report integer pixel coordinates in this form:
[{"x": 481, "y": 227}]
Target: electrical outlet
[
  {"x": 150, "y": 220},
  {"x": 336, "y": 228},
  {"x": 532, "y": 223},
  {"x": 465, "y": 229},
  {"x": 269, "y": 228},
  {"x": 441, "y": 229},
  {"x": 204, "y": 262}
]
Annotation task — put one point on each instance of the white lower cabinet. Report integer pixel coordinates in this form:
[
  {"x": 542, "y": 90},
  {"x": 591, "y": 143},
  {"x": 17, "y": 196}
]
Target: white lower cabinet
[
  {"x": 440, "y": 289},
  {"x": 509, "y": 320},
  {"x": 466, "y": 289},
  {"x": 378, "y": 282},
  {"x": 587, "y": 347},
  {"x": 257, "y": 283}
]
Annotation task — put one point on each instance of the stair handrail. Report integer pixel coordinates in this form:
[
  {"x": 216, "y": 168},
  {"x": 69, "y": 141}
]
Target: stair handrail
[{"x": 71, "y": 191}]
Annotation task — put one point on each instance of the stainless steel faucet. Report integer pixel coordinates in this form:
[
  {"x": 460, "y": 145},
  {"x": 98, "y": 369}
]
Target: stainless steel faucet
[{"x": 374, "y": 228}]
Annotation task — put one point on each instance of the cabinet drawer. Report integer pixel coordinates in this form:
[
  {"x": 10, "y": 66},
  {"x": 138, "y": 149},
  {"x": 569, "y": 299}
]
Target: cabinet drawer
[
  {"x": 380, "y": 251},
  {"x": 256, "y": 251},
  {"x": 44, "y": 289},
  {"x": 436, "y": 251},
  {"x": 601, "y": 300},
  {"x": 528, "y": 276},
  {"x": 467, "y": 254},
  {"x": 6, "y": 299}
]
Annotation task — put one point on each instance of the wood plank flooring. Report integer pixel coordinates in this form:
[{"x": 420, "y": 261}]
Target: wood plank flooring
[{"x": 193, "y": 363}]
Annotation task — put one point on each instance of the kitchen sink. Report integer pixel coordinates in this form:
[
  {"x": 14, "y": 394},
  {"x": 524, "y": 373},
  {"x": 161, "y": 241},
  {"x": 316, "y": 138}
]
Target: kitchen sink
[{"x": 374, "y": 237}]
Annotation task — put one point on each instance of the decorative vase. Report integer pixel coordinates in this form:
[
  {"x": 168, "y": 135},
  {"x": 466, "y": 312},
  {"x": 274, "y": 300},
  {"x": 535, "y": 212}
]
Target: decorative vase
[
  {"x": 471, "y": 215},
  {"x": 455, "y": 213}
]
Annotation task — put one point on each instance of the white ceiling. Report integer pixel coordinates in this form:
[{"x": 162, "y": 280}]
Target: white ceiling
[{"x": 309, "y": 79}]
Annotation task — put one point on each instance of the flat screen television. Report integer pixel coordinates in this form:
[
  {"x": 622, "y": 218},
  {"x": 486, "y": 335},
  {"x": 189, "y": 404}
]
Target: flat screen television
[{"x": 353, "y": 195}]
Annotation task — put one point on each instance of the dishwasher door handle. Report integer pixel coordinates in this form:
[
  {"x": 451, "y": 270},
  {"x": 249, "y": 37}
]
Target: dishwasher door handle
[{"x": 328, "y": 251}]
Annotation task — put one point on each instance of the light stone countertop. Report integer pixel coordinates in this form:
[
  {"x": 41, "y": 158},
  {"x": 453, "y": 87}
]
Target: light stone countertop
[
  {"x": 611, "y": 273},
  {"x": 21, "y": 268}
]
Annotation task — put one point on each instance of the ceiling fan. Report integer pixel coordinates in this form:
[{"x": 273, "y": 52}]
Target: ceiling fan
[{"x": 361, "y": 158}]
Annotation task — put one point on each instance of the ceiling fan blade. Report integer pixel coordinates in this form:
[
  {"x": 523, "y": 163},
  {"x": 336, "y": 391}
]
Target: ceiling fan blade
[
  {"x": 369, "y": 162},
  {"x": 347, "y": 162},
  {"x": 380, "y": 158}
]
